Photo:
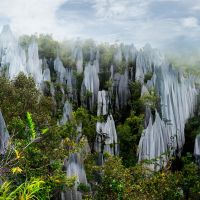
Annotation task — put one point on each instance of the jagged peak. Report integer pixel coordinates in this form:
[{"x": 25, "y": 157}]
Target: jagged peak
[
  {"x": 7, "y": 38},
  {"x": 6, "y": 29}
]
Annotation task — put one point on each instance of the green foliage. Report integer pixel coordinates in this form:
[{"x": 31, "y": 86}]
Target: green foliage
[
  {"x": 129, "y": 134},
  {"x": 20, "y": 96},
  {"x": 119, "y": 182},
  {"x": 150, "y": 99},
  {"x": 118, "y": 188},
  {"x": 87, "y": 46},
  {"x": 90, "y": 167},
  {"x": 148, "y": 76},
  {"x": 41, "y": 157},
  {"x": 81, "y": 115},
  {"x": 31, "y": 126},
  {"x": 32, "y": 168},
  {"x": 134, "y": 102},
  {"x": 38, "y": 146},
  {"x": 192, "y": 129},
  {"x": 121, "y": 67},
  {"x": 33, "y": 189},
  {"x": 49, "y": 48},
  {"x": 83, "y": 187},
  {"x": 116, "y": 180},
  {"x": 191, "y": 178},
  {"x": 106, "y": 55},
  {"x": 108, "y": 85}
]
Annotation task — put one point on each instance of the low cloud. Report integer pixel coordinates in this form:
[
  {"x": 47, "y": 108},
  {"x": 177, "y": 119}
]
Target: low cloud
[
  {"x": 190, "y": 22},
  {"x": 159, "y": 22}
]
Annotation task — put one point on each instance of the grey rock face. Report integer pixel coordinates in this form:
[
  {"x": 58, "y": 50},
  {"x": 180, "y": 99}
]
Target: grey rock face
[
  {"x": 67, "y": 113},
  {"x": 60, "y": 70},
  {"x": 103, "y": 100},
  {"x": 34, "y": 64},
  {"x": 4, "y": 135},
  {"x": 12, "y": 57},
  {"x": 74, "y": 166},
  {"x": 178, "y": 100},
  {"x": 164, "y": 132},
  {"x": 90, "y": 85},
  {"x": 197, "y": 149},
  {"x": 78, "y": 58},
  {"x": 106, "y": 139}
]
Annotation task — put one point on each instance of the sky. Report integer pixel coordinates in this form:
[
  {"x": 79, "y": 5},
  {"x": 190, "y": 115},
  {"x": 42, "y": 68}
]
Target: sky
[{"x": 162, "y": 23}]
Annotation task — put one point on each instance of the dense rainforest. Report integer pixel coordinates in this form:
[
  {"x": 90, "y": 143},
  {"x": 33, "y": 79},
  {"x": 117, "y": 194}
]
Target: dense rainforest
[{"x": 81, "y": 120}]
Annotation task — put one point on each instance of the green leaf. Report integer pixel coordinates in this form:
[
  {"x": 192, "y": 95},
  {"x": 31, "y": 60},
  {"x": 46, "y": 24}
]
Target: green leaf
[
  {"x": 31, "y": 126},
  {"x": 45, "y": 130}
]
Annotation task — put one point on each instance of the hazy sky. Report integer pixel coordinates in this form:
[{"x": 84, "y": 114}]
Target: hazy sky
[{"x": 159, "y": 22}]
